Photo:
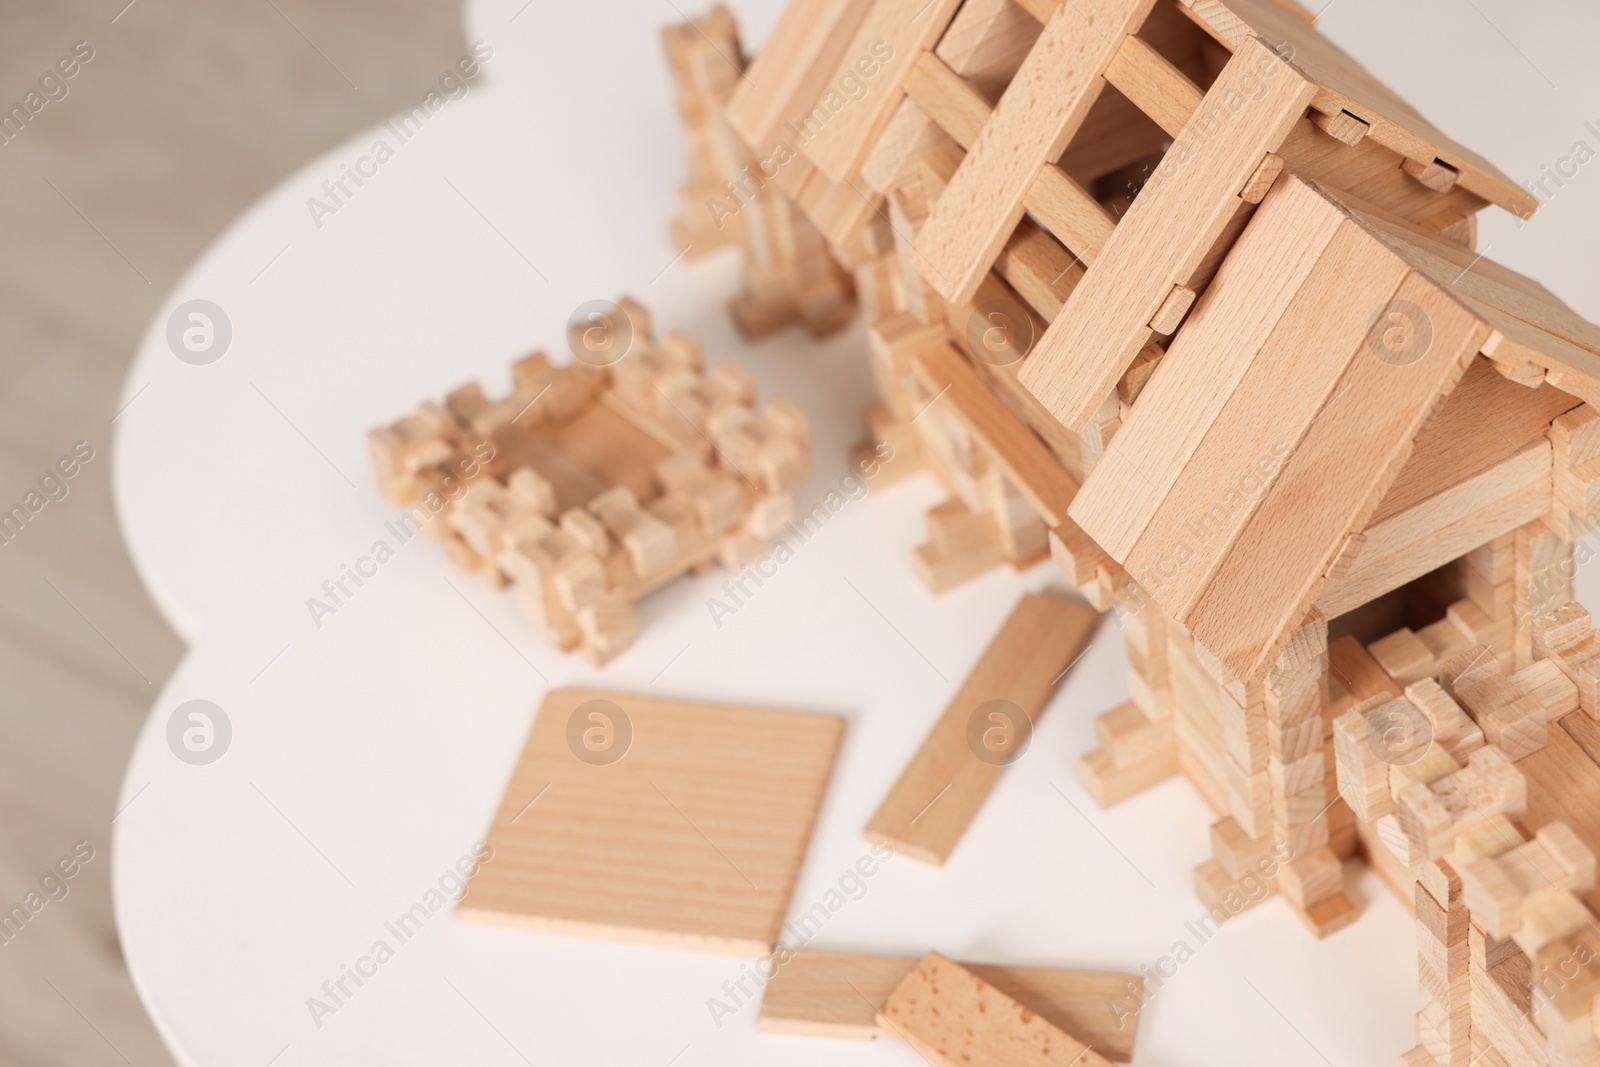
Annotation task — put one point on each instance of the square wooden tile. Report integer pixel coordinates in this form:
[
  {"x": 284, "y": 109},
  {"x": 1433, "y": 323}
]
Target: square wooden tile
[{"x": 657, "y": 820}]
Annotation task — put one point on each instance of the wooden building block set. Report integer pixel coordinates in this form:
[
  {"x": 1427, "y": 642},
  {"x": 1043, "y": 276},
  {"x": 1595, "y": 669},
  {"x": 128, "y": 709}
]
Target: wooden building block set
[
  {"x": 1177, "y": 290},
  {"x": 1177, "y": 294}
]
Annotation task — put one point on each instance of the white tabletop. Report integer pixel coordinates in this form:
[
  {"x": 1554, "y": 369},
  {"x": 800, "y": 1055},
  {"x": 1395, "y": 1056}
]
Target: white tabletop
[{"x": 369, "y": 754}]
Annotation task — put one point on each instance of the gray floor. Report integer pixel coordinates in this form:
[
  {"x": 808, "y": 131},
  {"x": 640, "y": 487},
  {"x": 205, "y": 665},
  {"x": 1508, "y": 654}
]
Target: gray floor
[{"x": 187, "y": 112}]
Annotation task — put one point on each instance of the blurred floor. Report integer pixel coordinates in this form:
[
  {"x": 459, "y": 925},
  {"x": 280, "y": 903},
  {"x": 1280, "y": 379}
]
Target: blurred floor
[{"x": 185, "y": 114}]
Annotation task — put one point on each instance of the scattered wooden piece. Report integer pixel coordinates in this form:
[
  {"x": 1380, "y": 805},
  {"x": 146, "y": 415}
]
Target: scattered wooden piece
[
  {"x": 837, "y": 994},
  {"x": 986, "y": 726},
  {"x": 957, "y": 1019},
  {"x": 657, "y": 820}
]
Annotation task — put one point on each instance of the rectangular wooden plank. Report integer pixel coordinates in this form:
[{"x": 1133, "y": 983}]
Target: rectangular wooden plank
[
  {"x": 1039, "y": 268},
  {"x": 867, "y": 82},
  {"x": 1045, "y": 484},
  {"x": 1377, "y": 576},
  {"x": 657, "y": 820},
  {"x": 1344, "y": 85},
  {"x": 986, "y": 43},
  {"x": 1485, "y": 420},
  {"x": 789, "y": 73},
  {"x": 1154, "y": 84},
  {"x": 1481, "y": 279},
  {"x": 1167, "y": 233},
  {"x": 1526, "y": 469},
  {"x": 1056, "y": 199},
  {"x": 837, "y": 994},
  {"x": 985, "y": 725},
  {"x": 1200, "y": 372},
  {"x": 956, "y": 1019},
  {"x": 1042, "y": 108},
  {"x": 1372, "y": 172},
  {"x": 1330, "y": 487},
  {"x": 1288, "y": 384}
]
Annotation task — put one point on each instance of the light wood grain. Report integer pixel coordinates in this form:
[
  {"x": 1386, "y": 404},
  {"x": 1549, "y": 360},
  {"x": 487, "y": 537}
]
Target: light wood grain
[
  {"x": 1485, "y": 420},
  {"x": 1373, "y": 576},
  {"x": 946, "y": 782},
  {"x": 986, "y": 43},
  {"x": 788, "y": 75},
  {"x": 1154, "y": 84},
  {"x": 1268, "y": 581},
  {"x": 1564, "y": 785},
  {"x": 837, "y": 994},
  {"x": 1288, "y": 384},
  {"x": 1344, "y": 85},
  {"x": 693, "y": 837},
  {"x": 956, "y": 1019},
  {"x": 1197, "y": 379},
  {"x": 1042, "y": 108},
  {"x": 1062, "y": 205},
  {"x": 1166, "y": 236},
  {"x": 888, "y": 42},
  {"x": 1036, "y": 474}
]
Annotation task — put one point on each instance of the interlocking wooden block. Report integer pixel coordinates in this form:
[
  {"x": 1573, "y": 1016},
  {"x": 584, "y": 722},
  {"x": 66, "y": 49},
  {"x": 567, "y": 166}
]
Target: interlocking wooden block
[
  {"x": 837, "y": 994},
  {"x": 632, "y": 454},
  {"x": 1433, "y": 812},
  {"x": 1567, "y": 637},
  {"x": 1511, "y": 719},
  {"x": 956, "y": 1019},
  {"x": 1503, "y": 889},
  {"x": 657, "y": 820}
]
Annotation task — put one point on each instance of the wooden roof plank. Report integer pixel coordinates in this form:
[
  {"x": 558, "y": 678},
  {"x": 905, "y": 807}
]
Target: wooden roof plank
[
  {"x": 789, "y": 73},
  {"x": 1289, "y": 384},
  {"x": 1485, "y": 420},
  {"x": 841, "y": 127},
  {"x": 1344, "y": 85},
  {"x": 1166, "y": 235},
  {"x": 1042, "y": 481},
  {"x": 1331, "y": 486},
  {"x": 1061, "y": 205},
  {"x": 1041, "y": 109},
  {"x": 1202, "y": 368}
]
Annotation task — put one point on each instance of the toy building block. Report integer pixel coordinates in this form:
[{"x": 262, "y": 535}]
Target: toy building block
[
  {"x": 986, "y": 726},
  {"x": 590, "y": 486},
  {"x": 1566, "y": 637},
  {"x": 954, "y": 1018},
  {"x": 837, "y": 994},
  {"x": 1506, "y": 886},
  {"x": 1511, "y": 719},
  {"x": 657, "y": 820},
  {"x": 706, "y": 64}
]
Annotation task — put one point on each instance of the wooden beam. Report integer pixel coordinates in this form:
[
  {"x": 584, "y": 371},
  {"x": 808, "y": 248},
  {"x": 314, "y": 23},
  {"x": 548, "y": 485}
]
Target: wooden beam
[
  {"x": 985, "y": 726},
  {"x": 1056, "y": 199},
  {"x": 1167, "y": 234},
  {"x": 1155, "y": 86},
  {"x": 1042, "y": 108},
  {"x": 841, "y": 128},
  {"x": 1049, "y": 489}
]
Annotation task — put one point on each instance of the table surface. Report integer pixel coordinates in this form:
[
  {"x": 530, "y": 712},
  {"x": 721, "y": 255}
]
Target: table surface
[{"x": 369, "y": 753}]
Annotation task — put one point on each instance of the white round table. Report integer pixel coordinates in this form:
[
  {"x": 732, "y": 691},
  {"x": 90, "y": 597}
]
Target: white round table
[{"x": 368, "y": 753}]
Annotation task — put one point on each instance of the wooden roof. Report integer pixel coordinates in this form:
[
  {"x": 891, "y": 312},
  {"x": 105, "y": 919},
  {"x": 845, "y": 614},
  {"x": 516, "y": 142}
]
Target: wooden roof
[{"x": 1242, "y": 484}]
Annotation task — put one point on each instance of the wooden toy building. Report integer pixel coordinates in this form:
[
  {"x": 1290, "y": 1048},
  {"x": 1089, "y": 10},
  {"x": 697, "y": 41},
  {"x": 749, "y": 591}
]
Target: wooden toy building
[{"x": 1178, "y": 293}]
